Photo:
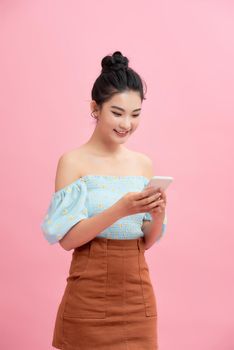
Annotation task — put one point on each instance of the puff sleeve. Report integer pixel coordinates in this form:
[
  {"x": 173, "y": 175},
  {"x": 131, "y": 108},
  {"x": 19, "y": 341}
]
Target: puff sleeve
[
  {"x": 67, "y": 208},
  {"x": 147, "y": 216}
]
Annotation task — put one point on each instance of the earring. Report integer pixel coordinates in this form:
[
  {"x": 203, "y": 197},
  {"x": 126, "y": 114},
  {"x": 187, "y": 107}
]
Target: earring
[{"x": 94, "y": 116}]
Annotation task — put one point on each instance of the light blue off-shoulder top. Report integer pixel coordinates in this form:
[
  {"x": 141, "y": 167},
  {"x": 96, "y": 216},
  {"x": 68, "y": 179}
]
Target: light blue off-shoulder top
[{"x": 88, "y": 196}]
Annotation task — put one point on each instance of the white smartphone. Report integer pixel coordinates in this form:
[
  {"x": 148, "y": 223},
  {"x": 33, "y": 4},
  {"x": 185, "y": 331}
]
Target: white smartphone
[{"x": 160, "y": 181}]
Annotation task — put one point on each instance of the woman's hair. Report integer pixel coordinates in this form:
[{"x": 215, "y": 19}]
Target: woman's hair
[{"x": 116, "y": 76}]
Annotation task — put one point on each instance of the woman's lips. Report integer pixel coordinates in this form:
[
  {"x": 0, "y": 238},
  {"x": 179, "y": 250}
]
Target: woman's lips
[{"x": 121, "y": 134}]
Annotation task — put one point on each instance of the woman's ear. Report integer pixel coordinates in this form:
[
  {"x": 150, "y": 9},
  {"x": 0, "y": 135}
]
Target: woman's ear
[{"x": 93, "y": 105}]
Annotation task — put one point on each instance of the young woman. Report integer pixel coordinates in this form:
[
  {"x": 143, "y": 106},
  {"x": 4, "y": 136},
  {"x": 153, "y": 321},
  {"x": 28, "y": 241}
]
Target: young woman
[{"x": 101, "y": 210}]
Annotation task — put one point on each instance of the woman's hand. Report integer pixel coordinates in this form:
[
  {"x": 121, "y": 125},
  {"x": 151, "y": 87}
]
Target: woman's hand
[
  {"x": 159, "y": 211},
  {"x": 148, "y": 200}
]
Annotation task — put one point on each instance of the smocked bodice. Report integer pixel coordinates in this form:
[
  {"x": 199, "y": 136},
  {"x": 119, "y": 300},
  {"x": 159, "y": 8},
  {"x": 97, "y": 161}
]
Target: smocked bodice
[{"x": 89, "y": 195}]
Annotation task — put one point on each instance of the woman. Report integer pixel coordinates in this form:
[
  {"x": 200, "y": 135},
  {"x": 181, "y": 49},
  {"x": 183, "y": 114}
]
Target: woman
[{"x": 101, "y": 210}]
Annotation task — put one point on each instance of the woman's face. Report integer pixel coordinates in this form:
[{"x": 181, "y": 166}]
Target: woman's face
[{"x": 120, "y": 113}]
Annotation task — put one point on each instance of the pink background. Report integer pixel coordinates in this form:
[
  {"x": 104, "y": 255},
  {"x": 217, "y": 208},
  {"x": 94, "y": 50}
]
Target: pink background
[{"x": 50, "y": 56}]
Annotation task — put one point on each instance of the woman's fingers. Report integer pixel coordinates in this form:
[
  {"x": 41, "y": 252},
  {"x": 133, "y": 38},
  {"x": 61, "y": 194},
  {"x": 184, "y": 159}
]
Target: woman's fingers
[
  {"x": 156, "y": 195},
  {"x": 163, "y": 194},
  {"x": 159, "y": 208},
  {"x": 146, "y": 192},
  {"x": 155, "y": 204}
]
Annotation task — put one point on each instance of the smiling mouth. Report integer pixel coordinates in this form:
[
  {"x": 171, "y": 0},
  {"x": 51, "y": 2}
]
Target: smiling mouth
[{"x": 121, "y": 133}]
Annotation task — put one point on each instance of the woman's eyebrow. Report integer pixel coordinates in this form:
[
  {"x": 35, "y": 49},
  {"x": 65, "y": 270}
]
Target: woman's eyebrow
[{"x": 121, "y": 109}]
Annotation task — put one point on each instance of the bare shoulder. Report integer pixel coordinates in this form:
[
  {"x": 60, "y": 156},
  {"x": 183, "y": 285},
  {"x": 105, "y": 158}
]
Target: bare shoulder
[
  {"x": 67, "y": 168},
  {"x": 146, "y": 164}
]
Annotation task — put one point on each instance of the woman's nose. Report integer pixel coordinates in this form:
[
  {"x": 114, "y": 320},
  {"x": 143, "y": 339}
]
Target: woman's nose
[{"x": 125, "y": 126}]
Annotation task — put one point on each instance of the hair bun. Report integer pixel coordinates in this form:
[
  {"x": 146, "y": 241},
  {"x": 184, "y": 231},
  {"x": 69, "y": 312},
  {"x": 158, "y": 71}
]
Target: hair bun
[{"x": 115, "y": 62}]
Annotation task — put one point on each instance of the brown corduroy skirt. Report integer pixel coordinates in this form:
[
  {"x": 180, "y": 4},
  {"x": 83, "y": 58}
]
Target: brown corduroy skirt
[{"x": 109, "y": 301}]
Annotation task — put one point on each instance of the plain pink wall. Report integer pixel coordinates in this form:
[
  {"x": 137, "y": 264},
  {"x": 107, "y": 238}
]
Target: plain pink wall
[{"x": 50, "y": 56}]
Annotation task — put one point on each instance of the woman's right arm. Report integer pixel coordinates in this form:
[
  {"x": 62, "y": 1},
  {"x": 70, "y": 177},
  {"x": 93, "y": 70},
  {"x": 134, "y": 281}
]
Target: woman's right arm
[{"x": 85, "y": 230}]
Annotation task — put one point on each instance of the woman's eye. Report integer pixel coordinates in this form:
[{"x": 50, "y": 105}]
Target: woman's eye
[{"x": 136, "y": 115}]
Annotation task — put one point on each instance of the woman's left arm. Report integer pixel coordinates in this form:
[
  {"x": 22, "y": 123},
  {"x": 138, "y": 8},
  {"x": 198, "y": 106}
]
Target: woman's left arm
[{"x": 154, "y": 228}]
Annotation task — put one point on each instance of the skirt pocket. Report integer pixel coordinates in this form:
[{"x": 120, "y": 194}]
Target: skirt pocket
[
  {"x": 87, "y": 291},
  {"x": 147, "y": 288}
]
